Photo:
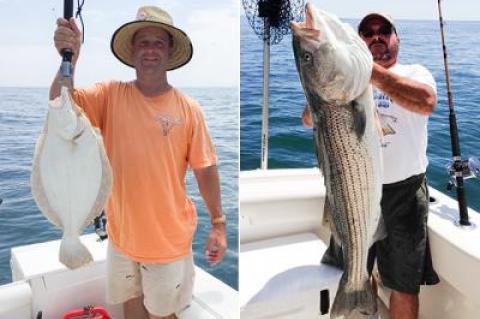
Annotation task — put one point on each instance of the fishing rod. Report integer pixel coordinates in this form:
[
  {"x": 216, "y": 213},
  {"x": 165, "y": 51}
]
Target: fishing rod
[
  {"x": 270, "y": 20},
  {"x": 66, "y": 69},
  {"x": 458, "y": 169}
]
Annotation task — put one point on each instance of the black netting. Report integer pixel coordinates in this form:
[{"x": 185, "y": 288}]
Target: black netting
[{"x": 278, "y": 14}]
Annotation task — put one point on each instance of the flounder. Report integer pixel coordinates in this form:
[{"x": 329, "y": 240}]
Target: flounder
[{"x": 71, "y": 175}]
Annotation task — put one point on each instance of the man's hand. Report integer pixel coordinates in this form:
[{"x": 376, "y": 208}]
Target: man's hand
[
  {"x": 209, "y": 186},
  {"x": 216, "y": 244},
  {"x": 68, "y": 36}
]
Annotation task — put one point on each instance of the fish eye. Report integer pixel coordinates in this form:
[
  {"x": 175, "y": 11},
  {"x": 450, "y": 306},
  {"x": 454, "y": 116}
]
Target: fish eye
[{"x": 307, "y": 56}]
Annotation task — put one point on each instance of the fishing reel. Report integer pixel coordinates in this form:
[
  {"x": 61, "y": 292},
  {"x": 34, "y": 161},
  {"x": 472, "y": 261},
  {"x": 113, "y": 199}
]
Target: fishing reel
[
  {"x": 100, "y": 223},
  {"x": 469, "y": 169}
]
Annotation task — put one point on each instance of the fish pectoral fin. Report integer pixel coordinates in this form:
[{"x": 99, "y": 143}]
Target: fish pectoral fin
[
  {"x": 333, "y": 255},
  {"x": 327, "y": 221},
  {"x": 359, "y": 118}
]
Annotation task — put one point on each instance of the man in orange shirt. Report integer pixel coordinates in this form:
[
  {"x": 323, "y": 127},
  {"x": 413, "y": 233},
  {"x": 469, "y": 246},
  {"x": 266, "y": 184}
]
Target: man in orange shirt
[{"x": 152, "y": 133}]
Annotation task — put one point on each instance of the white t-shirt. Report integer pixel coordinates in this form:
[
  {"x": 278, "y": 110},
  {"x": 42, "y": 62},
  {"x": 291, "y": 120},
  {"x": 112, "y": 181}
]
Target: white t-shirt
[{"x": 405, "y": 138}]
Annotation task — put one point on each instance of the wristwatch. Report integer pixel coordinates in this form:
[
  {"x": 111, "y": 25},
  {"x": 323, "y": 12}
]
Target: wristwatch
[{"x": 219, "y": 220}]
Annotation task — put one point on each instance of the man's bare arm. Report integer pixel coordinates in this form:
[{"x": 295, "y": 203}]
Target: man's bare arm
[
  {"x": 412, "y": 95},
  {"x": 209, "y": 186}
]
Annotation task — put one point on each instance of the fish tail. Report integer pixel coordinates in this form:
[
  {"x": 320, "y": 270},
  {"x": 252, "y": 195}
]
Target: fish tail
[
  {"x": 364, "y": 301},
  {"x": 73, "y": 253}
]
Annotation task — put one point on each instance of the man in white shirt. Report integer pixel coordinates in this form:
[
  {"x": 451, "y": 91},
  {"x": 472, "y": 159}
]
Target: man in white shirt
[{"x": 405, "y": 96}]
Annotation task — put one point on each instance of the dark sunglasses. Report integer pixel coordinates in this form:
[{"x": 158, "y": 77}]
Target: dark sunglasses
[{"x": 384, "y": 30}]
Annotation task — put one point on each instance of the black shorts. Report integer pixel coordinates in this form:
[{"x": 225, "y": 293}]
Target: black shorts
[{"x": 403, "y": 257}]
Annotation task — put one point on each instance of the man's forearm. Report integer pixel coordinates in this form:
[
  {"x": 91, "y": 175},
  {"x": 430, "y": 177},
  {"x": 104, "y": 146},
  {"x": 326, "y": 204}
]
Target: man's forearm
[
  {"x": 412, "y": 95},
  {"x": 209, "y": 186}
]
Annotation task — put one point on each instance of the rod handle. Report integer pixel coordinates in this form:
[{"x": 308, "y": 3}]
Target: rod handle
[{"x": 67, "y": 14}]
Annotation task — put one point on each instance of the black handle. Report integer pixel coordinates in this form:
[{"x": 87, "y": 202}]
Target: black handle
[
  {"x": 67, "y": 14},
  {"x": 67, "y": 9}
]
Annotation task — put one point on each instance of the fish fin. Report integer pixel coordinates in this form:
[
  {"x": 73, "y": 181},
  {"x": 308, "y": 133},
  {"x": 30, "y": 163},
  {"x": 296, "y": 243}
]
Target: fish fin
[
  {"x": 359, "y": 118},
  {"x": 73, "y": 253},
  {"x": 327, "y": 221},
  {"x": 333, "y": 256},
  {"x": 321, "y": 162},
  {"x": 363, "y": 301}
]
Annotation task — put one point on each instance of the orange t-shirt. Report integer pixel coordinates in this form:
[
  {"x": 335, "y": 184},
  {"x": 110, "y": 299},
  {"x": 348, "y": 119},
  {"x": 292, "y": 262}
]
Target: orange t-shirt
[{"x": 150, "y": 141}]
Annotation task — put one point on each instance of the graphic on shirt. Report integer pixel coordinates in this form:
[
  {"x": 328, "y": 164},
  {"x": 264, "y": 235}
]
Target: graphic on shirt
[
  {"x": 167, "y": 121},
  {"x": 387, "y": 121},
  {"x": 381, "y": 99}
]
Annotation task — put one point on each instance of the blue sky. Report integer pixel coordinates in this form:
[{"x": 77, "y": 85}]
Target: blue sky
[
  {"x": 404, "y": 9},
  {"x": 28, "y": 57}
]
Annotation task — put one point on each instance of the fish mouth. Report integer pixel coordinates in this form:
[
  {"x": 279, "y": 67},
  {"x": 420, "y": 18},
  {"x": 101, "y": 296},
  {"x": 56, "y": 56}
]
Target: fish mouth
[{"x": 310, "y": 21}]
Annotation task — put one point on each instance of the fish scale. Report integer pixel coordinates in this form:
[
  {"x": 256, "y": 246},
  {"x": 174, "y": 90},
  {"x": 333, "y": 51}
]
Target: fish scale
[{"x": 349, "y": 181}]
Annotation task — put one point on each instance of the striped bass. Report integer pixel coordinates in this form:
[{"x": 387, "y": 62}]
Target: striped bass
[{"x": 334, "y": 67}]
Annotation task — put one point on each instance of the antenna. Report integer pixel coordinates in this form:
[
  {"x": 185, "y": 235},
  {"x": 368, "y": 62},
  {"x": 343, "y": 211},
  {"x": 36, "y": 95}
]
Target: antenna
[{"x": 270, "y": 20}]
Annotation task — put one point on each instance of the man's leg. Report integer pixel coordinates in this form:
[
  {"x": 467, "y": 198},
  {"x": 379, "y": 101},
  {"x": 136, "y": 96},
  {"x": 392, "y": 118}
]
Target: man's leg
[
  {"x": 403, "y": 305},
  {"x": 403, "y": 258},
  {"x": 172, "y": 316},
  {"x": 134, "y": 309},
  {"x": 124, "y": 284},
  {"x": 168, "y": 287}
]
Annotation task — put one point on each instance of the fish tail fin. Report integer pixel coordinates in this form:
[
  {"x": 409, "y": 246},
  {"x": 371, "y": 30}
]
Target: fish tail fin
[
  {"x": 363, "y": 301},
  {"x": 73, "y": 253}
]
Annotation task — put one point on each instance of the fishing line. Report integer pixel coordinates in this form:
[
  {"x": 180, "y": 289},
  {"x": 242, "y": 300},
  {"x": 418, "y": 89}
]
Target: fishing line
[{"x": 78, "y": 14}]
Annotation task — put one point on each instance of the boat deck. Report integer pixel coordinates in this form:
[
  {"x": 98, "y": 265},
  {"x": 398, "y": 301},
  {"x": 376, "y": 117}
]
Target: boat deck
[
  {"x": 282, "y": 277},
  {"x": 42, "y": 283}
]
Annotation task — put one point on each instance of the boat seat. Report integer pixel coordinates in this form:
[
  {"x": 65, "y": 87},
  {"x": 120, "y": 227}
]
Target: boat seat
[{"x": 283, "y": 278}]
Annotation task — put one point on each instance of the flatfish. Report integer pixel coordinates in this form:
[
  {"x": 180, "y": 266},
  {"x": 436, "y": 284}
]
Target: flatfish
[{"x": 71, "y": 175}]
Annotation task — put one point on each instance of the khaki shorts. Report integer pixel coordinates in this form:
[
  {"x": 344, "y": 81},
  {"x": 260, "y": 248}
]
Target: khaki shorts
[{"x": 167, "y": 288}]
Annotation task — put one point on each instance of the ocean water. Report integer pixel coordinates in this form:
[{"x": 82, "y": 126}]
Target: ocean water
[
  {"x": 291, "y": 145},
  {"x": 22, "y": 113}
]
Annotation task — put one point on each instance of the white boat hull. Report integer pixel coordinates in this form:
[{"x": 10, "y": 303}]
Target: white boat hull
[
  {"x": 42, "y": 283},
  {"x": 281, "y": 233}
]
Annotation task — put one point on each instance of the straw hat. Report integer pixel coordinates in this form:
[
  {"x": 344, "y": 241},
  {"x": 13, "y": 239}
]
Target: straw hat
[{"x": 148, "y": 16}]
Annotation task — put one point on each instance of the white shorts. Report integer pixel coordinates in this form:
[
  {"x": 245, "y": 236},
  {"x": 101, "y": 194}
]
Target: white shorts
[{"x": 167, "y": 288}]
